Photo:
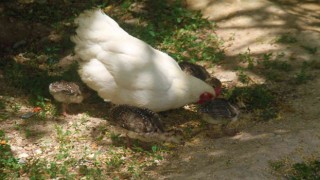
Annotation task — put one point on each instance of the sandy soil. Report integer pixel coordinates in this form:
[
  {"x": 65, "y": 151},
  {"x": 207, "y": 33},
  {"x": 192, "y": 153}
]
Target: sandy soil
[{"x": 295, "y": 135}]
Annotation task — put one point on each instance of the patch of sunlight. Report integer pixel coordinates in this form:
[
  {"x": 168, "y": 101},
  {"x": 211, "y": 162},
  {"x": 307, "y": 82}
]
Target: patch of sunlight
[
  {"x": 249, "y": 137},
  {"x": 216, "y": 153},
  {"x": 281, "y": 131}
]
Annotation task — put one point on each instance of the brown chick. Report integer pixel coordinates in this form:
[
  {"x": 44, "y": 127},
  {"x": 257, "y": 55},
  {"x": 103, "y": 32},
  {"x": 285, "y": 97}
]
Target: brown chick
[
  {"x": 66, "y": 93},
  {"x": 142, "y": 124},
  {"x": 219, "y": 113},
  {"x": 200, "y": 73}
]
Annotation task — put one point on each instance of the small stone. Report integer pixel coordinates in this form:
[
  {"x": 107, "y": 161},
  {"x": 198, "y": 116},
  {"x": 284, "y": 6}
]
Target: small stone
[
  {"x": 157, "y": 161},
  {"x": 226, "y": 76},
  {"x": 22, "y": 161},
  {"x": 38, "y": 151},
  {"x": 91, "y": 156},
  {"x": 23, "y": 155}
]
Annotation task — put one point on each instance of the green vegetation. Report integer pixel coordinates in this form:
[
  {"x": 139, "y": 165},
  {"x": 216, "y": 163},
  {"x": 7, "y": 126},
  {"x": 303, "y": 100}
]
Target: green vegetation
[
  {"x": 286, "y": 38},
  {"x": 302, "y": 76},
  {"x": 182, "y": 33},
  {"x": 308, "y": 170},
  {"x": 273, "y": 68},
  {"x": 246, "y": 57},
  {"x": 117, "y": 162},
  {"x": 243, "y": 77},
  {"x": 9, "y": 165},
  {"x": 275, "y": 64},
  {"x": 3, "y": 113},
  {"x": 257, "y": 99},
  {"x": 311, "y": 50}
]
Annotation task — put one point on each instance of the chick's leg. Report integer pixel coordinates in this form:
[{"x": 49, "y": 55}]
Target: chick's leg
[{"x": 64, "y": 109}]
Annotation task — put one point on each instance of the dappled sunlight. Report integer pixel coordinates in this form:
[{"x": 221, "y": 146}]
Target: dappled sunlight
[
  {"x": 249, "y": 137},
  {"x": 247, "y": 152},
  {"x": 259, "y": 24},
  {"x": 217, "y": 153},
  {"x": 265, "y": 53}
]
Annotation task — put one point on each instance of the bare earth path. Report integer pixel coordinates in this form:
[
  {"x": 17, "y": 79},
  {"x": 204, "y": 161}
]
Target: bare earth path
[{"x": 256, "y": 24}]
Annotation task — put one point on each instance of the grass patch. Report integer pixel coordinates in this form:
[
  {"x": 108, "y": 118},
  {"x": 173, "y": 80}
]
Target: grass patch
[
  {"x": 276, "y": 64},
  {"x": 257, "y": 99},
  {"x": 307, "y": 170},
  {"x": 116, "y": 163},
  {"x": 9, "y": 165},
  {"x": 246, "y": 57},
  {"x": 302, "y": 76},
  {"x": 286, "y": 38},
  {"x": 182, "y": 33},
  {"x": 311, "y": 50},
  {"x": 3, "y": 113}
]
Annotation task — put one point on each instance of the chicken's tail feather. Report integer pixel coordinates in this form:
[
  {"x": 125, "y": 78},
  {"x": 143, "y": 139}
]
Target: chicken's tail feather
[{"x": 95, "y": 26}]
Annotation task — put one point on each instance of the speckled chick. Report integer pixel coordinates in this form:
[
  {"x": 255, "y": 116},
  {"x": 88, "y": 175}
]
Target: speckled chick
[
  {"x": 218, "y": 111},
  {"x": 141, "y": 123},
  {"x": 200, "y": 73},
  {"x": 66, "y": 93},
  {"x": 194, "y": 70}
]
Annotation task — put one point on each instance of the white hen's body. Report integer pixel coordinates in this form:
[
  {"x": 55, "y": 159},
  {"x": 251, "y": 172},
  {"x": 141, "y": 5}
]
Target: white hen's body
[{"x": 126, "y": 70}]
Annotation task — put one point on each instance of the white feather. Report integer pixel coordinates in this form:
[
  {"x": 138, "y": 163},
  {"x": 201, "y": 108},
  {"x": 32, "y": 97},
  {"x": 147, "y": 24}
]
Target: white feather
[{"x": 126, "y": 70}]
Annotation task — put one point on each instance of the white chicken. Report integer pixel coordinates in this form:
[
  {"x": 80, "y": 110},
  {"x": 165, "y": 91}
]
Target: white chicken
[{"x": 126, "y": 70}]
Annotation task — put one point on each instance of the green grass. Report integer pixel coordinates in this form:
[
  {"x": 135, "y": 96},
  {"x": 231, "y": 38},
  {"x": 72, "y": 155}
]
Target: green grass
[
  {"x": 3, "y": 113},
  {"x": 257, "y": 99},
  {"x": 286, "y": 38},
  {"x": 274, "y": 69},
  {"x": 9, "y": 165},
  {"x": 243, "y": 77},
  {"x": 303, "y": 76},
  {"x": 307, "y": 170},
  {"x": 184, "y": 34},
  {"x": 117, "y": 162},
  {"x": 246, "y": 57},
  {"x": 311, "y": 50},
  {"x": 276, "y": 65}
]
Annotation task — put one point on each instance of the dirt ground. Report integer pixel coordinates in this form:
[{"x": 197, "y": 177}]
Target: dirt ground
[
  {"x": 254, "y": 24},
  {"x": 241, "y": 24}
]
